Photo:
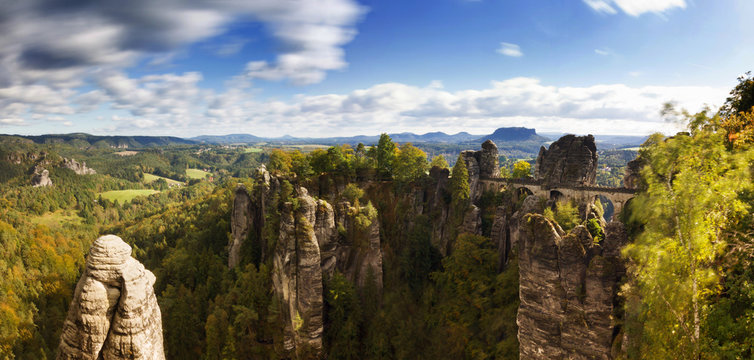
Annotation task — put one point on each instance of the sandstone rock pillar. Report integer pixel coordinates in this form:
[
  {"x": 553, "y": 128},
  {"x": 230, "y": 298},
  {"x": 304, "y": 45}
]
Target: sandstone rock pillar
[{"x": 114, "y": 313}]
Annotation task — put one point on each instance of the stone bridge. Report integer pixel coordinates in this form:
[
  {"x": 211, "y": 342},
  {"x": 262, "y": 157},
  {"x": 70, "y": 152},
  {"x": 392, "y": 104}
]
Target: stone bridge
[{"x": 617, "y": 196}]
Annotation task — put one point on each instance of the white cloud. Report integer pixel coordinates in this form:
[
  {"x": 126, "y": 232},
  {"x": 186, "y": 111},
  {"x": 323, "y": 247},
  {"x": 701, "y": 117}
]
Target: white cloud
[
  {"x": 509, "y": 49},
  {"x": 175, "y": 105},
  {"x": 603, "y": 52},
  {"x": 635, "y": 7}
]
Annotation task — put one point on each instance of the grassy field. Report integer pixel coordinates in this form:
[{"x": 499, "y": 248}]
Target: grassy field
[
  {"x": 196, "y": 174},
  {"x": 305, "y": 148},
  {"x": 126, "y": 195},
  {"x": 253, "y": 150},
  {"x": 148, "y": 178},
  {"x": 57, "y": 218}
]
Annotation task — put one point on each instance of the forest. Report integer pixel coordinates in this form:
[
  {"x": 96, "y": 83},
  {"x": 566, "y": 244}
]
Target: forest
[{"x": 688, "y": 291}]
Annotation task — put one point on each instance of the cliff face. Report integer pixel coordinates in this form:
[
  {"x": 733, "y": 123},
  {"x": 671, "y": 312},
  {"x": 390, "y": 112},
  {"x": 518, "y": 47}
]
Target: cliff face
[
  {"x": 568, "y": 287},
  {"x": 572, "y": 160},
  {"x": 297, "y": 275},
  {"x": 114, "y": 312},
  {"x": 241, "y": 222},
  {"x": 314, "y": 239}
]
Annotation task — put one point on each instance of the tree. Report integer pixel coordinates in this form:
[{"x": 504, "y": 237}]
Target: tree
[
  {"x": 521, "y": 169},
  {"x": 353, "y": 193},
  {"x": 741, "y": 98},
  {"x": 280, "y": 161},
  {"x": 459, "y": 182},
  {"x": 385, "y": 154},
  {"x": 693, "y": 183},
  {"x": 410, "y": 164},
  {"x": 439, "y": 161}
]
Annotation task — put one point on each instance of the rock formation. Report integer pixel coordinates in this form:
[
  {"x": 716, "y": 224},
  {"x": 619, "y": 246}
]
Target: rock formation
[
  {"x": 114, "y": 312},
  {"x": 472, "y": 221},
  {"x": 248, "y": 217},
  {"x": 78, "y": 168},
  {"x": 481, "y": 163},
  {"x": 568, "y": 287},
  {"x": 489, "y": 165},
  {"x": 41, "y": 177},
  {"x": 632, "y": 175},
  {"x": 572, "y": 160},
  {"x": 297, "y": 275},
  {"x": 241, "y": 223}
]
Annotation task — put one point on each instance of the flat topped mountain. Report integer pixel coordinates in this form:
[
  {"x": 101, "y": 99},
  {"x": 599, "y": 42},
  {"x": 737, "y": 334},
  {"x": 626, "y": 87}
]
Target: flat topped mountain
[{"x": 508, "y": 134}]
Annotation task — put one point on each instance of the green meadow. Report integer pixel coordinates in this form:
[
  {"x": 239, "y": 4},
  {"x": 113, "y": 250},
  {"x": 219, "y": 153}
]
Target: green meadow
[{"x": 126, "y": 195}]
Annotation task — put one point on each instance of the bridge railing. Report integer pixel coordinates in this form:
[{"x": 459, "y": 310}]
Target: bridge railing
[{"x": 524, "y": 181}]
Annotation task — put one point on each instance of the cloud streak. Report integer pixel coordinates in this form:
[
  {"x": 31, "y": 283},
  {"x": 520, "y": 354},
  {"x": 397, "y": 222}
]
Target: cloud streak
[
  {"x": 509, "y": 49},
  {"x": 634, "y": 7}
]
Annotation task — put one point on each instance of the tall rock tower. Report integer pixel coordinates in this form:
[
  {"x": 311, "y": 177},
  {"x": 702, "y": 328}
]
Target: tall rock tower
[{"x": 114, "y": 312}]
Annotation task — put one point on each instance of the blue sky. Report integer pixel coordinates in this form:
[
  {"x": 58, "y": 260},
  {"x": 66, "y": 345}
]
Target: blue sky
[{"x": 347, "y": 67}]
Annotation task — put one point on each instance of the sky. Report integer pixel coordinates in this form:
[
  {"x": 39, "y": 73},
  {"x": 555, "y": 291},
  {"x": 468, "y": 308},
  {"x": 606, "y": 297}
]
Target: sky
[{"x": 320, "y": 68}]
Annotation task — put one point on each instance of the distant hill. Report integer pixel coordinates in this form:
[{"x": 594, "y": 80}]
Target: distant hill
[
  {"x": 228, "y": 139},
  {"x": 82, "y": 140},
  {"x": 501, "y": 135}
]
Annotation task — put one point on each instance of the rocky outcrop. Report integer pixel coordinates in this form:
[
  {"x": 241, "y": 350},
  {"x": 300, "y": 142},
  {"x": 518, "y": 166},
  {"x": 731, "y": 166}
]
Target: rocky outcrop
[
  {"x": 41, "y": 177},
  {"x": 568, "y": 291},
  {"x": 472, "y": 221},
  {"x": 632, "y": 176},
  {"x": 297, "y": 275},
  {"x": 78, "y": 168},
  {"x": 114, "y": 312},
  {"x": 489, "y": 166},
  {"x": 481, "y": 163},
  {"x": 438, "y": 200},
  {"x": 572, "y": 160},
  {"x": 240, "y": 224},
  {"x": 248, "y": 217}
]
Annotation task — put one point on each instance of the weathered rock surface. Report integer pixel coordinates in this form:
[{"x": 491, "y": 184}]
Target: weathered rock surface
[
  {"x": 297, "y": 275},
  {"x": 114, "y": 313},
  {"x": 568, "y": 287},
  {"x": 472, "y": 221},
  {"x": 632, "y": 176},
  {"x": 240, "y": 224},
  {"x": 481, "y": 163},
  {"x": 41, "y": 177},
  {"x": 572, "y": 160},
  {"x": 489, "y": 165},
  {"x": 78, "y": 168},
  {"x": 248, "y": 217}
]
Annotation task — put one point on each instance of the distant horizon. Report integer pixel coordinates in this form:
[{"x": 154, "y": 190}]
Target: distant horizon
[{"x": 544, "y": 133}]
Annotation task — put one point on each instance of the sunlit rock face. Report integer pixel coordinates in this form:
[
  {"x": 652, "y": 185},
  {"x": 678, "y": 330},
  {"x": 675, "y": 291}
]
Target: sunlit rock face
[
  {"x": 572, "y": 160},
  {"x": 41, "y": 177},
  {"x": 568, "y": 290},
  {"x": 297, "y": 275},
  {"x": 114, "y": 313},
  {"x": 78, "y": 168}
]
